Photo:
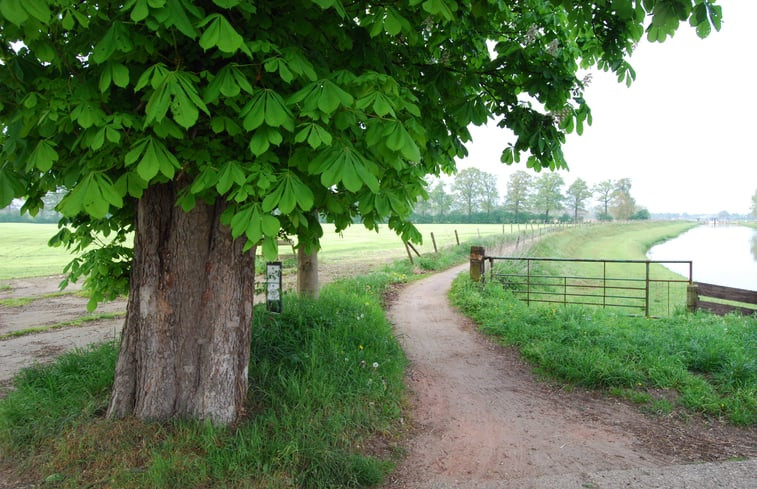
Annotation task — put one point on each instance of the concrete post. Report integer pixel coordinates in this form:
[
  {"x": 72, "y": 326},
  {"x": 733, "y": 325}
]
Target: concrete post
[{"x": 477, "y": 254}]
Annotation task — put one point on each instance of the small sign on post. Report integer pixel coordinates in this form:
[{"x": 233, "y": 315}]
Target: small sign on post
[{"x": 273, "y": 286}]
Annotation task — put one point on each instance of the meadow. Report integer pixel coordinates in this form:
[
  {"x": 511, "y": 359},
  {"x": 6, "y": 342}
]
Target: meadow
[{"x": 24, "y": 251}]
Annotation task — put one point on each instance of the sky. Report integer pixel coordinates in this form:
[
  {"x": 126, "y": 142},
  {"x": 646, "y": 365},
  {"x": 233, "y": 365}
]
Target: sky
[{"x": 684, "y": 131}]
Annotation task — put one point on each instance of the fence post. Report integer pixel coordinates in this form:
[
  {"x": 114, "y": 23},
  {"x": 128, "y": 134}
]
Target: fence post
[
  {"x": 409, "y": 255},
  {"x": 692, "y": 297},
  {"x": 457, "y": 238},
  {"x": 477, "y": 254},
  {"x": 646, "y": 291},
  {"x": 433, "y": 240}
]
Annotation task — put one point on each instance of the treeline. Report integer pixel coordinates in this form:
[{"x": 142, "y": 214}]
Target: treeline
[
  {"x": 48, "y": 214},
  {"x": 473, "y": 197}
]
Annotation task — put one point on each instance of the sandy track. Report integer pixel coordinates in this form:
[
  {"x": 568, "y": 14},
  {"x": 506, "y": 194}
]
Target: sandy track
[{"x": 482, "y": 420}]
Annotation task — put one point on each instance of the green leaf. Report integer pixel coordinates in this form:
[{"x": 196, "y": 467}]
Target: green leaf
[
  {"x": 220, "y": 33},
  {"x": 120, "y": 75},
  {"x": 368, "y": 178},
  {"x": 335, "y": 4},
  {"x": 184, "y": 112},
  {"x": 207, "y": 178},
  {"x": 87, "y": 114},
  {"x": 331, "y": 96},
  {"x": 140, "y": 11},
  {"x": 441, "y": 8},
  {"x": 117, "y": 38},
  {"x": 270, "y": 225},
  {"x": 108, "y": 191},
  {"x": 270, "y": 248},
  {"x": 38, "y": 9},
  {"x": 254, "y": 112},
  {"x": 226, "y": 3},
  {"x": 158, "y": 104},
  {"x": 350, "y": 178},
  {"x": 230, "y": 174},
  {"x": 13, "y": 11},
  {"x": 302, "y": 193},
  {"x": 10, "y": 187},
  {"x": 155, "y": 158},
  {"x": 67, "y": 21},
  {"x": 259, "y": 142},
  {"x": 177, "y": 15},
  {"x": 382, "y": 106},
  {"x": 149, "y": 165}
]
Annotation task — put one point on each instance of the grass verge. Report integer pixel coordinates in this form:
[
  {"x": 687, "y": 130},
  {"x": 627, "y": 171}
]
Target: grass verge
[
  {"x": 324, "y": 405},
  {"x": 700, "y": 362}
]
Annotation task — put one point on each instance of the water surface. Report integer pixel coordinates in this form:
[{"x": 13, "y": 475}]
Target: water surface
[{"x": 722, "y": 255}]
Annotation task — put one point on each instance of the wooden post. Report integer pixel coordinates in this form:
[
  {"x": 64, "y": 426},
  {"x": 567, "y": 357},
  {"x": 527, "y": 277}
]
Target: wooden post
[
  {"x": 477, "y": 254},
  {"x": 692, "y": 297},
  {"x": 409, "y": 255},
  {"x": 457, "y": 238},
  {"x": 433, "y": 240}
]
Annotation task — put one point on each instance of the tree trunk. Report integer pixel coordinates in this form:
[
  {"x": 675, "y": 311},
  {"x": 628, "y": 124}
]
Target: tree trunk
[
  {"x": 307, "y": 272},
  {"x": 185, "y": 347}
]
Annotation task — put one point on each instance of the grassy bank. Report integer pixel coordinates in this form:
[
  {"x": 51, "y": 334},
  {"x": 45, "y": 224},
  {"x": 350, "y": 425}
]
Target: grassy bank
[
  {"x": 623, "y": 241},
  {"x": 324, "y": 408},
  {"x": 700, "y": 363}
]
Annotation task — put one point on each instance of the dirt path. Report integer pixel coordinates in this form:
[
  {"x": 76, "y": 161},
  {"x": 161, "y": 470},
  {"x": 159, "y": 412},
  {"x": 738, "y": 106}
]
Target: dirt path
[
  {"x": 24, "y": 351},
  {"x": 482, "y": 420}
]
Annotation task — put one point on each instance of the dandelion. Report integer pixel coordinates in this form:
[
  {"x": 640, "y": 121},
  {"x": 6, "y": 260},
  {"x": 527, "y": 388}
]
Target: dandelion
[
  {"x": 375, "y": 365},
  {"x": 360, "y": 347}
]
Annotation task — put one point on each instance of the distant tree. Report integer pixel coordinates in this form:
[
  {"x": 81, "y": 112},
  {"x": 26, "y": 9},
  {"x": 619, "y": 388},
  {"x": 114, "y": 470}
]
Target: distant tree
[
  {"x": 490, "y": 194},
  {"x": 623, "y": 205},
  {"x": 578, "y": 193},
  {"x": 439, "y": 200},
  {"x": 603, "y": 194},
  {"x": 548, "y": 194},
  {"x": 519, "y": 188},
  {"x": 468, "y": 190},
  {"x": 754, "y": 204},
  {"x": 640, "y": 215}
]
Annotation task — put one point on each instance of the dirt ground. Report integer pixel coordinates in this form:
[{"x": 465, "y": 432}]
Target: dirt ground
[{"x": 478, "y": 416}]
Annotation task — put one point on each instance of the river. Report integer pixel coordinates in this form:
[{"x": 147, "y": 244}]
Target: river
[{"x": 722, "y": 255}]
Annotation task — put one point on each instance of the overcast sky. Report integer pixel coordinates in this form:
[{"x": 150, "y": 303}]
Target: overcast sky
[{"x": 684, "y": 132}]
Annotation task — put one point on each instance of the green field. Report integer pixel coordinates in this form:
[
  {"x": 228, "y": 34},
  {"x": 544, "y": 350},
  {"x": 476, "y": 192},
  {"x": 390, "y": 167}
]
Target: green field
[{"x": 24, "y": 251}]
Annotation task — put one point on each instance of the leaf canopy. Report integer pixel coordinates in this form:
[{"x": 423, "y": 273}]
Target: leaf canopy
[{"x": 293, "y": 110}]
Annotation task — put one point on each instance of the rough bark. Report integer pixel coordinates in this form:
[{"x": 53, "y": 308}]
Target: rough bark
[
  {"x": 307, "y": 272},
  {"x": 185, "y": 345}
]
